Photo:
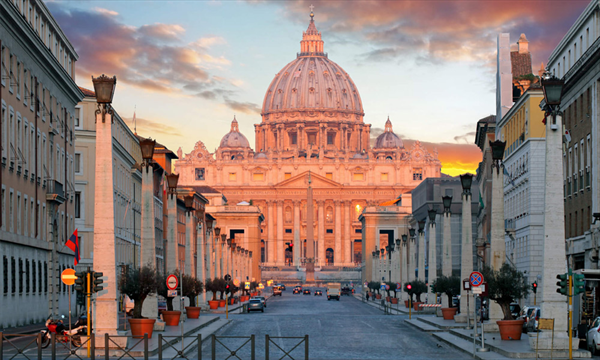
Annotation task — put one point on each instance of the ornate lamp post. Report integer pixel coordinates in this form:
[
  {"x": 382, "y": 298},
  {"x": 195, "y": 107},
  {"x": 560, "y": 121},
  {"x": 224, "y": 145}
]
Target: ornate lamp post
[
  {"x": 432, "y": 258},
  {"x": 207, "y": 247},
  {"x": 172, "y": 250},
  {"x": 553, "y": 304},
  {"x": 104, "y": 216},
  {"x": 228, "y": 257},
  {"x": 201, "y": 252},
  {"x": 388, "y": 267},
  {"x": 189, "y": 232},
  {"x": 213, "y": 245},
  {"x": 466, "y": 260},
  {"x": 421, "y": 239},
  {"x": 382, "y": 265},
  {"x": 404, "y": 259}
]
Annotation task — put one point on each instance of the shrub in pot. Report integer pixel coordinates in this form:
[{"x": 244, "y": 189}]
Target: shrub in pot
[
  {"x": 449, "y": 285},
  {"x": 221, "y": 286},
  {"x": 170, "y": 316},
  {"x": 192, "y": 287},
  {"x": 213, "y": 288},
  {"x": 138, "y": 284},
  {"x": 504, "y": 287}
]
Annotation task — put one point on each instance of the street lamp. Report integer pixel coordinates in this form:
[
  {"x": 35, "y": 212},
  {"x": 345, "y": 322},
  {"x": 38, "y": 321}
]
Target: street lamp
[
  {"x": 217, "y": 231},
  {"x": 398, "y": 243},
  {"x": 147, "y": 147},
  {"x": 189, "y": 202},
  {"x": 498, "y": 147},
  {"x": 421, "y": 226},
  {"x": 432, "y": 214},
  {"x": 411, "y": 231},
  {"x": 172, "y": 180},
  {"x": 552, "y": 87},
  {"x": 404, "y": 239},
  {"x": 447, "y": 201},
  {"x": 104, "y": 87},
  {"x": 223, "y": 238},
  {"x": 466, "y": 180}
]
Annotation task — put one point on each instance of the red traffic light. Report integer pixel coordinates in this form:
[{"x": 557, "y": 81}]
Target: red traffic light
[
  {"x": 534, "y": 285},
  {"x": 292, "y": 245},
  {"x": 409, "y": 286}
]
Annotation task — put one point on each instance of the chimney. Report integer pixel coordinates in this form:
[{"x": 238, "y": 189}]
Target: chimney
[{"x": 523, "y": 44}]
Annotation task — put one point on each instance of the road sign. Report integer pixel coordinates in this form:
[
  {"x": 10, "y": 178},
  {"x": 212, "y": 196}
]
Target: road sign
[
  {"x": 366, "y": 284},
  {"x": 261, "y": 286},
  {"x": 68, "y": 276},
  {"x": 477, "y": 290},
  {"x": 247, "y": 285},
  {"x": 387, "y": 287},
  {"x": 227, "y": 277},
  {"x": 172, "y": 282},
  {"x": 382, "y": 287},
  {"x": 171, "y": 293},
  {"x": 476, "y": 279},
  {"x": 236, "y": 282},
  {"x": 466, "y": 285}
]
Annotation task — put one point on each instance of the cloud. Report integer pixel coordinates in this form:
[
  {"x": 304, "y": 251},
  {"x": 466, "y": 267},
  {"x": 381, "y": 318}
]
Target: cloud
[
  {"x": 243, "y": 107},
  {"x": 466, "y": 138},
  {"x": 154, "y": 127},
  {"x": 105, "y": 11}
]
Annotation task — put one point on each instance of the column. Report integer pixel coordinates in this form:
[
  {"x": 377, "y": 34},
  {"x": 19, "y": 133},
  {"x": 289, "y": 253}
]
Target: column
[
  {"x": 422, "y": 256},
  {"x": 148, "y": 245},
  {"x": 209, "y": 267},
  {"x": 412, "y": 263},
  {"x": 189, "y": 238},
  {"x": 200, "y": 263},
  {"x": 466, "y": 259},
  {"x": 432, "y": 262},
  {"x": 250, "y": 265},
  {"x": 337, "y": 251},
  {"x": 104, "y": 230},
  {"x": 222, "y": 256},
  {"x": 321, "y": 238},
  {"x": 280, "y": 245},
  {"x": 270, "y": 260},
  {"x": 404, "y": 265},
  {"x": 446, "y": 251},
  {"x": 553, "y": 304},
  {"x": 296, "y": 233},
  {"x": 497, "y": 235},
  {"x": 172, "y": 253},
  {"x": 215, "y": 246},
  {"x": 348, "y": 229}
]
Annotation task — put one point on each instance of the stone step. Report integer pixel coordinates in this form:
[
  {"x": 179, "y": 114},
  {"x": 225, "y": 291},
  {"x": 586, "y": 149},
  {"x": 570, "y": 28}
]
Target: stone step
[
  {"x": 422, "y": 326},
  {"x": 466, "y": 346},
  {"x": 441, "y": 323}
]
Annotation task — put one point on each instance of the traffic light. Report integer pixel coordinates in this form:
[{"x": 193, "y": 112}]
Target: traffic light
[
  {"x": 408, "y": 287},
  {"x": 534, "y": 287},
  {"x": 80, "y": 282},
  {"x": 290, "y": 246},
  {"x": 563, "y": 284},
  {"x": 97, "y": 282},
  {"x": 227, "y": 289},
  {"x": 578, "y": 284}
]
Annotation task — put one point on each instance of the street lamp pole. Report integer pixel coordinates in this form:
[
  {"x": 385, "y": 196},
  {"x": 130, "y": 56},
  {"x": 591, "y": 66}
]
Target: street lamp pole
[
  {"x": 466, "y": 261},
  {"x": 447, "y": 243},
  {"x": 172, "y": 258},
  {"x": 432, "y": 259}
]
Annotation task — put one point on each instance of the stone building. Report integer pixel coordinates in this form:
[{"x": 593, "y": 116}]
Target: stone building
[
  {"x": 312, "y": 121},
  {"x": 38, "y": 96}
]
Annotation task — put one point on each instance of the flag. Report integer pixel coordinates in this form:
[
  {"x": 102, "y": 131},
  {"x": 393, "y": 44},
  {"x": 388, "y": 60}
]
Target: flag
[
  {"x": 567, "y": 137},
  {"x": 73, "y": 244},
  {"x": 509, "y": 177}
]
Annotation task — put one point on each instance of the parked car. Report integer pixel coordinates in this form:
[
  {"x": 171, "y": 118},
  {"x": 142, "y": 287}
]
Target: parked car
[
  {"x": 515, "y": 309},
  {"x": 318, "y": 292},
  {"x": 592, "y": 337},
  {"x": 261, "y": 298},
  {"x": 306, "y": 292},
  {"x": 255, "y": 305},
  {"x": 297, "y": 290},
  {"x": 276, "y": 291},
  {"x": 532, "y": 320},
  {"x": 281, "y": 286},
  {"x": 346, "y": 291}
]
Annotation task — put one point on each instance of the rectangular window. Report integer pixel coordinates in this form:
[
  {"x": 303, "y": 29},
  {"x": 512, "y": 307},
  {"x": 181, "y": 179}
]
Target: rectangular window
[
  {"x": 288, "y": 231},
  {"x": 384, "y": 176},
  {"x": 77, "y": 117},
  {"x": 232, "y": 176},
  {"x": 27, "y": 276},
  {"x": 312, "y": 138},
  {"x": 358, "y": 231},
  {"x": 200, "y": 173},
  {"x": 33, "y": 277},
  {"x": 78, "y": 204},
  {"x": 417, "y": 174},
  {"x": 330, "y": 138},
  {"x": 40, "y": 277},
  {"x": 329, "y": 231},
  {"x": 13, "y": 276},
  {"x": 258, "y": 177},
  {"x": 20, "y": 276},
  {"x": 358, "y": 176},
  {"x": 287, "y": 176},
  {"x": 293, "y": 139},
  {"x": 5, "y": 274},
  {"x": 78, "y": 164},
  {"x": 329, "y": 176}
]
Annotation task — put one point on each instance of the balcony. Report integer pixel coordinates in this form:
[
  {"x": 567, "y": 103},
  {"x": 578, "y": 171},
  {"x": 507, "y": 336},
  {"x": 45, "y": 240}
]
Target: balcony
[{"x": 55, "y": 192}]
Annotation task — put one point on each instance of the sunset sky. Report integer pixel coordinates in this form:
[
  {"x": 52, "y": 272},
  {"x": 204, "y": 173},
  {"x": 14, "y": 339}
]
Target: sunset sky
[{"x": 190, "y": 66}]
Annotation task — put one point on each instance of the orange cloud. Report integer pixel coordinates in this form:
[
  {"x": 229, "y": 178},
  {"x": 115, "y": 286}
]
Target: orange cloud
[{"x": 456, "y": 158}]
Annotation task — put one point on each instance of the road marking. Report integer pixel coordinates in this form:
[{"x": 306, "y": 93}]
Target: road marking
[{"x": 366, "y": 323}]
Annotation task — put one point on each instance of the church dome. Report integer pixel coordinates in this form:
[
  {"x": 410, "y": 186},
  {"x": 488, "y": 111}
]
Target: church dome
[
  {"x": 312, "y": 82},
  {"x": 234, "y": 139},
  {"x": 388, "y": 139}
]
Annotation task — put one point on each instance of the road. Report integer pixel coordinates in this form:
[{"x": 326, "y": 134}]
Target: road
[{"x": 345, "y": 329}]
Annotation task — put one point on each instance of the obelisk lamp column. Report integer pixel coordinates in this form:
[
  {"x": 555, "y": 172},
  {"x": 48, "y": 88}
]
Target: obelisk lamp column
[
  {"x": 172, "y": 249},
  {"x": 404, "y": 261},
  {"x": 497, "y": 231},
  {"x": 553, "y": 304},
  {"x": 104, "y": 216},
  {"x": 413, "y": 255},
  {"x": 201, "y": 251},
  {"x": 432, "y": 258},
  {"x": 421, "y": 263},
  {"x": 189, "y": 233},
  {"x": 215, "y": 244},
  {"x": 466, "y": 259}
]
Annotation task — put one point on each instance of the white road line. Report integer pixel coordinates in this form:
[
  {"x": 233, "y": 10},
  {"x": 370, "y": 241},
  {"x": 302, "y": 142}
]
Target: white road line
[{"x": 366, "y": 323}]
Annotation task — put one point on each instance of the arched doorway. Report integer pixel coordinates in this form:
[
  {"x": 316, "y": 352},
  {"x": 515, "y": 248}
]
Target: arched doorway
[
  {"x": 289, "y": 256},
  {"x": 262, "y": 251},
  {"x": 329, "y": 256}
]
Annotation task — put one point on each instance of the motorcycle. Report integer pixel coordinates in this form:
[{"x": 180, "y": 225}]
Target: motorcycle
[{"x": 63, "y": 334}]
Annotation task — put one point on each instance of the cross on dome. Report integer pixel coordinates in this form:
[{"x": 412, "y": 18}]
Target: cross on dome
[
  {"x": 312, "y": 8},
  {"x": 388, "y": 125},
  {"x": 234, "y": 125}
]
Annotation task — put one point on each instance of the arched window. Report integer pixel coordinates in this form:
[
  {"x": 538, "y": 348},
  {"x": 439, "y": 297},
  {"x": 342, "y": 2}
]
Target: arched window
[
  {"x": 288, "y": 214},
  {"x": 329, "y": 214}
]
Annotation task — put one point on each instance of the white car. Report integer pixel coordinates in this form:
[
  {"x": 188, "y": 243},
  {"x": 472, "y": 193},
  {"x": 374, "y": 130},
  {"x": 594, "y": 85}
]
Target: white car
[
  {"x": 262, "y": 299},
  {"x": 593, "y": 337}
]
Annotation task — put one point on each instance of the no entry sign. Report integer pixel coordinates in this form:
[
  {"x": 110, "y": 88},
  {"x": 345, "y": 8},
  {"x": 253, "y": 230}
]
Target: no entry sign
[
  {"x": 476, "y": 279},
  {"x": 172, "y": 282}
]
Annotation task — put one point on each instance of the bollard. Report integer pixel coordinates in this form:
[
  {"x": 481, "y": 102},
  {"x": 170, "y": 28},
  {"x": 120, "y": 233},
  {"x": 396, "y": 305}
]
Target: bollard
[
  {"x": 146, "y": 346},
  {"x": 305, "y": 347},
  {"x": 106, "y": 357},
  {"x": 267, "y": 347},
  {"x": 159, "y": 346},
  {"x": 2, "y": 342},
  {"x": 92, "y": 339},
  {"x": 39, "y": 343},
  {"x": 53, "y": 341},
  {"x": 252, "y": 347}
]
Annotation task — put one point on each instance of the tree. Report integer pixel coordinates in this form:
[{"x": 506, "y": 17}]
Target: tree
[
  {"x": 163, "y": 291},
  {"x": 212, "y": 287},
  {"x": 192, "y": 287},
  {"x": 392, "y": 290},
  {"x": 418, "y": 287},
  {"x": 449, "y": 285},
  {"x": 138, "y": 283},
  {"x": 220, "y": 285},
  {"x": 505, "y": 286}
]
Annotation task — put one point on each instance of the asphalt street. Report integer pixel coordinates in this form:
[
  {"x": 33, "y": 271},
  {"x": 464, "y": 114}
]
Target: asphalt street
[{"x": 345, "y": 329}]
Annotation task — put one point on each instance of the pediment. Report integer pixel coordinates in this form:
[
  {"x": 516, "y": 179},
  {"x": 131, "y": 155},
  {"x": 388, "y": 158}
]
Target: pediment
[{"x": 301, "y": 181}]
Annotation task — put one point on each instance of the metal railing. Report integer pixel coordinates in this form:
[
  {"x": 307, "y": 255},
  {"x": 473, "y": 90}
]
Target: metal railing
[
  {"x": 68, "y": 345},
  {"x": 233, "y": 354},
  {"x": 180, "y": 353},
  {"x": 108, "y": 340},
  {"x": 286, "y": 354},
  {"x": 35, "y": 339}
]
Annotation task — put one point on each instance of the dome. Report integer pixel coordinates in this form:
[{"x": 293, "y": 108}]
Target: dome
[
  {"x": 312, "y": 82},
  {"x": 388, "y": 139},
  {"x": 234, "y": 139}
]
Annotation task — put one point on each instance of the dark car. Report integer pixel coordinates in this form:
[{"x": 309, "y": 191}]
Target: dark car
[
  {"x": 256, "y": 305},
  {"x": 297, "y": 290},
  {"x": 306, "y": 292},
  {"x": 318, "y": 292},
  {"x": 281, "y": 286},
  {"x": 346, "y": 291},
  {"x": 276, "y": 291}
]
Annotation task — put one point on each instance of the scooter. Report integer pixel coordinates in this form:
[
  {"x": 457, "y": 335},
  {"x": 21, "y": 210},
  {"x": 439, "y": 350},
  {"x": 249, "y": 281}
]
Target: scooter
[{"x": 63, "y": 334}]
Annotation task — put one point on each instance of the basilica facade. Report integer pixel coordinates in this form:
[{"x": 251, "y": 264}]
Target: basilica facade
[{"x": 312, "y": 126}]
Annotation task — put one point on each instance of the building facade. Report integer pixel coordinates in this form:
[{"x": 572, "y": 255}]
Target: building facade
[
  {"x": 312, "y": 122},
  {"x": 38, "y": 96}
]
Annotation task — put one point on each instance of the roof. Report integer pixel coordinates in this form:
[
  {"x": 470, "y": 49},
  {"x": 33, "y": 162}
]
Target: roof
[
  {"x": 390, "y": 203},
  {"x": 204, "y": 189},
  {"x": 520, "y": 64},
  {"x": 87, "y": 92}
]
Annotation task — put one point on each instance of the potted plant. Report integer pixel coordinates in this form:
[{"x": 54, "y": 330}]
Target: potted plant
[
  {"x": 213, "y": 288},
  {"x": 138, "y": 284},
  {"x": 408, "y": 289},
  {"x": 253, "y": 287},
  {"x": 504, "y": 287},
  {"x": 170, "y": 316},
  {"x": 192, "y": 287},
  {"x": 418, "y": 287},
  {"x": 449, "y": 285},
  {"x": 392, "y": 290},
  {"x": 377, "y": 286},
  {"x": 221, "y": 286},
  {"x": 372, "y": 285},
  {"x": 232, "y": 290}
]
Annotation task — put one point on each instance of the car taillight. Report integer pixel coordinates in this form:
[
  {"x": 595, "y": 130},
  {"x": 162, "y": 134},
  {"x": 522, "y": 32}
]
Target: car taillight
[{"x": 599, "y": 329}]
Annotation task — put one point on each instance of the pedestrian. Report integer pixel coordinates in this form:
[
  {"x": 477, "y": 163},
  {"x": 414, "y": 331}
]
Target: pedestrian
[{"x": 367, "y": 296}]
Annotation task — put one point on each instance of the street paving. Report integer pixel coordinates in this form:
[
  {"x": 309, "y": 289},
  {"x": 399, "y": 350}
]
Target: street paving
[{"x": 345, "y": 329}]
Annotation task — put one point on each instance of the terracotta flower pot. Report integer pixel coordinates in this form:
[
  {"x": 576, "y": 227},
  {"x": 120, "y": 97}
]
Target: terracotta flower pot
[
  {"x": 448, "y": 313},
  {"x": 394, "y": 300},
  {"x": 222, "y": 303},
  {"x": 171, "y": 318},
  {"x": 510, "y": 329},
  {"x": 406, "y": 303},
  {"x": 378, "y": 296},
  {"x": 231, "y": 301},
  {"x": 139, "y": 327},
  {"x": 193, "y": 312},
  {"x": 417, "y": 305},
  {"x": 214, "y": 304},
  {"x": 387, "y": 298}
]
